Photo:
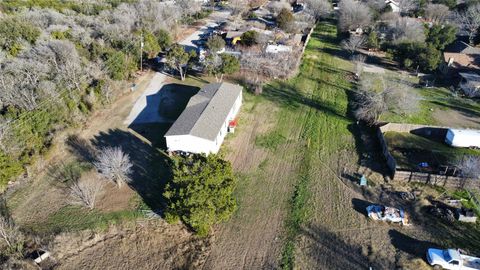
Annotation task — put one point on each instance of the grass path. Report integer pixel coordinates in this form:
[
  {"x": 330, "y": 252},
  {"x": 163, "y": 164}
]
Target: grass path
[{"x": 287, "y": 133}]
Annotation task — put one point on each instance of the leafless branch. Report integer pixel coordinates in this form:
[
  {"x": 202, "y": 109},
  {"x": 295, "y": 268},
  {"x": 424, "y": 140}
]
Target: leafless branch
[{"x": 114, "y": 165}]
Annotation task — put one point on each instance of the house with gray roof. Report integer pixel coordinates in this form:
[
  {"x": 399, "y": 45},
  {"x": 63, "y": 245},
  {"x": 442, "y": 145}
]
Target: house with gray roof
[{"x": 208, "y": 117}]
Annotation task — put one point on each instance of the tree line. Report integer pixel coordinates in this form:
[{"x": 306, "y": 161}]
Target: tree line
[{"x": 59, "y": 62}]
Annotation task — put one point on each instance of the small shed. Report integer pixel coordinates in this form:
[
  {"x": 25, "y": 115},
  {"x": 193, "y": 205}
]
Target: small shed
[{"x": 463, "y": 138}]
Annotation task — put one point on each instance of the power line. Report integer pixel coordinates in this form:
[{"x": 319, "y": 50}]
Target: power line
[{"x": 52, "y": 101}]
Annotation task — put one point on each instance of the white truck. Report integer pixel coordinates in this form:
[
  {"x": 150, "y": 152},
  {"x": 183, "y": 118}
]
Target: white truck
[{"x": 451, "y": 259}]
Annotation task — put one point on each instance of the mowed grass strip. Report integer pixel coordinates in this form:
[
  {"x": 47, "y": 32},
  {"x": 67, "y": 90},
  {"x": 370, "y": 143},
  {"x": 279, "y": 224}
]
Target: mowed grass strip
[{"x": 320, "y": 94}]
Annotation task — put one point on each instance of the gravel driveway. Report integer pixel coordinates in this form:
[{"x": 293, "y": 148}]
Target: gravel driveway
[{"x": 146, "y": 107}]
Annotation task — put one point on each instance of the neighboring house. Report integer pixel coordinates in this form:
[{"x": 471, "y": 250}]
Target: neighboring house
[
  {"x": 460, "y": 56},
  {"x": 470, "y": 84},
  {"x": 278, "y": 48},
  {"x": 393, "y": 5},
  {"x": 203, "y": 125}
]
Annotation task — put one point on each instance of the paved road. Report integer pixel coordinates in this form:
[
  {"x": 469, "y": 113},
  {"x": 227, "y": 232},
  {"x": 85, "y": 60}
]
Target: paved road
[{"x": 146, "y": 107}]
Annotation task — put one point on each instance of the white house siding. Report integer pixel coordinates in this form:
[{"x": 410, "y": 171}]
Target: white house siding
[
  {"x": 224, "y": 130},
  {"x": 193, "y": 144}
]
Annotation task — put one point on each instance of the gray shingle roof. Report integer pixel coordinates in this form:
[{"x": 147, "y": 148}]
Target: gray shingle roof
[
  {"x": 461, "y": 47},
  {"x": 206, "y": 111}
]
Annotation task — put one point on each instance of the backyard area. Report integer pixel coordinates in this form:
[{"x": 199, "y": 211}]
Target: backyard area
[
  {"x": 438, "y": 106},
  {"x": 410, "y": 150}
]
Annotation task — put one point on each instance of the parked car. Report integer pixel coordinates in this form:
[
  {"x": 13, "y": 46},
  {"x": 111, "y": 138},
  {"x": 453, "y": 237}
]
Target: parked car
[
  {"x": 388, "y": 214},
  {"x": 451, "y": 259}
]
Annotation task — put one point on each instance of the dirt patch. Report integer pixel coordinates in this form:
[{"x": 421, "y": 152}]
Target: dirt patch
[
  {"x": 457, "y": 119},
  {"x": 114, "y": 198},
  {"x": 145, "y": 245}
]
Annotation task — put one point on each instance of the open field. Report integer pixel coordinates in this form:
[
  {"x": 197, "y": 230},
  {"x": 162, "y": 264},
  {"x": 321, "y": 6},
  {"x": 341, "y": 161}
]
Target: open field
[{"x": 297, "y": 151}]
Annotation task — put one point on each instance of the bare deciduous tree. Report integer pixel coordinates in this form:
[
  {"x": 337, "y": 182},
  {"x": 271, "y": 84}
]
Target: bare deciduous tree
[
  {"x": 436, "y": 13},
  {"x": 353, "y": 15},
  {"x": 407, "y": 6},
  {"x": 318, "y": 8},
  {"x": 11, "y": 236},
  {"x": 114, "y": 165},
  {"x": 270, "y": 65},
  {"x": 189, "y": 7},
  {"x": 407, "y": 29},
  {"x": 353, "y": 43},
  {"x": 377, "y": 5},
  {"x": 470, "y": 89},
  {"x": 372, "y": 103},
  {"x": 469, "y": 20},
  {"x": 470, "y": 167},
  {"x": 276, "y": 6},
  {"x": 238, "y": 6},
  {"x": 85, "y": 192},
  {"x": 358, "y": 61}
]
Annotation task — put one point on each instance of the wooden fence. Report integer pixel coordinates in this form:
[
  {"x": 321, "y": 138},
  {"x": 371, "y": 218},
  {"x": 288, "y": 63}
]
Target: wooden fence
[{"x": 435, "y": 180}]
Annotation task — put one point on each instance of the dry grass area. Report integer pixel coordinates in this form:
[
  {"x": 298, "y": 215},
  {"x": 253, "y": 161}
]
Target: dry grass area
[
  {"x": 89, "y": 239},
  {"x": 36, "y": 198},
  {"x": 146, "y": 245},
  {"x": 252, "y": 238}
]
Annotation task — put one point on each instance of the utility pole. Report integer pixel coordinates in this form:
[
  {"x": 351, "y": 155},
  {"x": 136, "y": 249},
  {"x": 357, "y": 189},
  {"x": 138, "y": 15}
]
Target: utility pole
[{"x": 141, "y": 52}]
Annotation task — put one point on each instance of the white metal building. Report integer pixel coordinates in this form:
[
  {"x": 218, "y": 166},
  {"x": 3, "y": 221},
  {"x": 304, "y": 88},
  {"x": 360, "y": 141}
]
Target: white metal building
[
  {"x": 463, "y": 138},
  {"x": 203, "y": 125}
]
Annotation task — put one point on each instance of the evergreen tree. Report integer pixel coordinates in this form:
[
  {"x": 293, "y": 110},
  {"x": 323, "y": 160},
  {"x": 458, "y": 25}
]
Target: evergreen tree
[{"x": 201, "y": 192}]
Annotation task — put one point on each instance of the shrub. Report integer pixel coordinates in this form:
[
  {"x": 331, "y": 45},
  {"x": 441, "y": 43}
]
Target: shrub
[
  {"x": 426, "y": 57},
  {"x": 285, "y": 19},
  {"x": 14, "y": 31},
  {"x": 249, "y": 38},
  {"x": 201, "y": 191},
  {"x": 440, "y": 36},
  {"x": 164, "y": 39}
]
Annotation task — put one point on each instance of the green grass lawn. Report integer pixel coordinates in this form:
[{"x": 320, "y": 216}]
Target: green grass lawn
[
  {"x": 318, "y": 100},
  {"x": 430, "y": 100}
]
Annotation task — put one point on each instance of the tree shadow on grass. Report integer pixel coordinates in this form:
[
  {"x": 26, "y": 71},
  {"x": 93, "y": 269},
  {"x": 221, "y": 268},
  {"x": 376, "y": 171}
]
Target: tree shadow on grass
[
  {"x": 410, "y": 245},
  {"x": 465, "y": 109},
  {"x": 80, "y": 148},
  {"x": 150, "y": 166},
  {"x": 329, "y": 250},
  {"x": 451, "y": 234},
  {"x": 288, "y": 96},
  {"x": 361, "y": 206}
]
